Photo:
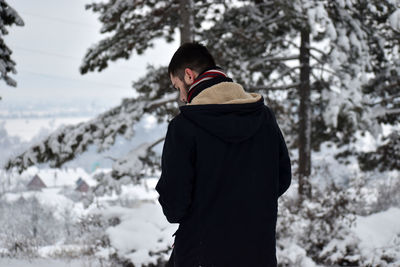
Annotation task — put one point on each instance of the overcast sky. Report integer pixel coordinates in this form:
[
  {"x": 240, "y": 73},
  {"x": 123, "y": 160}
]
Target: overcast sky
[{"x": 49, "y": 49}]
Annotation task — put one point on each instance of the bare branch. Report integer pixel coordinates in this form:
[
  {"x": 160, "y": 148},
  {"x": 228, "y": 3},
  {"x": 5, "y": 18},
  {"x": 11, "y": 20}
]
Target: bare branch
[
  {"x": 318, "y": 50},
  {"x": 317, "y": 59},
  {"x": 156, "y": 143},
  {"x": 112, "y": 158},
  {"x": 292, "y": 43},
  {"x": 160, "y": 102},
  {"x": 323, "y": 69}
]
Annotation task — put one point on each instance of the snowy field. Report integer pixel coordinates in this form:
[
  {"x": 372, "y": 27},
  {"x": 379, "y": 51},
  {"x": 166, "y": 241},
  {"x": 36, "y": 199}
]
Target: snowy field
[{"x": 80, "y": 229}]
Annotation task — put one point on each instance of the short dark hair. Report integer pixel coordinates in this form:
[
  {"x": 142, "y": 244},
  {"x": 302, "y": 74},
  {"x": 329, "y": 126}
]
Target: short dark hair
[{"x": 190, "y": 55}]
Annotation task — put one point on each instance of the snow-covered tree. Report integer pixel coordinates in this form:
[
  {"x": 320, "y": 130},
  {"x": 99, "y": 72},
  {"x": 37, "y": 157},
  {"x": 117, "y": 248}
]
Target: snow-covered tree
[
  {"x": 383, "y": 90},
  {"x": 130, "y": 26},
  {"x": 321, "y": 55},
  {"x": 67, "y": 142},
  {"x": 314, "y": 60},
  {"x": 8, "y": 17},
  {"x": 328, "y": 68}
]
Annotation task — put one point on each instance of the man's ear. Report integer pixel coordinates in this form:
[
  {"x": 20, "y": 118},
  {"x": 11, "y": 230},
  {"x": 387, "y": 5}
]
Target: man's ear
[{"x": 190, "y": 75}]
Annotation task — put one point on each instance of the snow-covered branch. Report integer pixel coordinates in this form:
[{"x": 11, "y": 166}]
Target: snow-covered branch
[
  {"x": 67, "y": 142},
  {"x": 318, "y": 50},
  {"x": 127, "y": 169},
  {"x": 157, "y": 103},
  {"x": 287, "y": 58},
  {"x": 133, "y": 26},
  {"x": 8, "y": 18},
  {"x": 283, "y": 87},
  {"x": 133, "y": 164},
  {"x": 380, "y": 112}
]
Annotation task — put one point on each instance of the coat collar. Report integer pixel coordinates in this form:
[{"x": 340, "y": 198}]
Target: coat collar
[
  {"x": 225, "y": 93},
  {"x": 206, "y": 79}
]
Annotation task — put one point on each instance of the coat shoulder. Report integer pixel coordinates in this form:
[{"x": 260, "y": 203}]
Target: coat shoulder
[{"x": 180, "y": 122}]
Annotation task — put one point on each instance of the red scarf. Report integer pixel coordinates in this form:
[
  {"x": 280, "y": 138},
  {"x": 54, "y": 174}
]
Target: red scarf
[{"x": 205, "y": 80}]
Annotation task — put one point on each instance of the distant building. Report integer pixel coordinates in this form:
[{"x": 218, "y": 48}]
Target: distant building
[
  {"x": 82, "y": 186},
  {"x": 36, "y": 183},
  {"x": 79, "y": 181}
]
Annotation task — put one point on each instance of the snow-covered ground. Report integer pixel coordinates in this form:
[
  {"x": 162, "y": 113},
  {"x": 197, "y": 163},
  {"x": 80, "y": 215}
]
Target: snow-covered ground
[
  {"x": 142, "y": 232},
  {"x": 379, "y": 230}
]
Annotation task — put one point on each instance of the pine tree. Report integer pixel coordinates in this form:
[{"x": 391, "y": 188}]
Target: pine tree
[
  {"x": 383, "y": 90},
  {"x": 132, "y": 26},
  {"x": 323, "y": 57},
  {"x": 8, "y": 17}
]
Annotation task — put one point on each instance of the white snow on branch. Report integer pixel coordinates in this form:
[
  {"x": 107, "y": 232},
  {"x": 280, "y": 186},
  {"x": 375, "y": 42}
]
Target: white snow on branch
[
  {"x": 394, "y": 20},
  {"x": 67, "y": 142}
]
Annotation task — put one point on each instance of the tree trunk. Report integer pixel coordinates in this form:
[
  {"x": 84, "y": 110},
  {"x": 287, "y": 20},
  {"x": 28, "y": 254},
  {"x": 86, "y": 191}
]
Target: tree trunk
[
  {"x": 187, "y": 21},
  {"x": 186, "y": 27},
  {"x": 304, "y": 170}
]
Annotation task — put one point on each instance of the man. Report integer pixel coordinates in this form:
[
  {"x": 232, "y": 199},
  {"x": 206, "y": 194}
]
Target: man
[{"x": 224, "y": 165}]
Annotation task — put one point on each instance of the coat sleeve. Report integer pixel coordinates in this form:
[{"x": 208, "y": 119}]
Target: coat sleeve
[
  {"x": 177, "y": 173},
  {"x": 285, "y": 169}
]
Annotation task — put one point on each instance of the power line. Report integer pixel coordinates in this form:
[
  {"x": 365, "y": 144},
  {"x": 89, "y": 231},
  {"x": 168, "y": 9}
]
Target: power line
[
  {"x": 62, "y": 56},
  {"x": 59, "y": 55},
  {"x": 62, "y": 20},
  {"x": 57, "y": 77},
  {"x": 45, "y": 53}
]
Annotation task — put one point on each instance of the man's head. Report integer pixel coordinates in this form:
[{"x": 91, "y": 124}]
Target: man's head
[{"x": 187, "y": 63}]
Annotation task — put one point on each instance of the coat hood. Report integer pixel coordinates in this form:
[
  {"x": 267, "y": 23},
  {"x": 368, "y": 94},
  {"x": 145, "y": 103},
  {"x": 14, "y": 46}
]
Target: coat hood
[{"x": 226, "y": 111}]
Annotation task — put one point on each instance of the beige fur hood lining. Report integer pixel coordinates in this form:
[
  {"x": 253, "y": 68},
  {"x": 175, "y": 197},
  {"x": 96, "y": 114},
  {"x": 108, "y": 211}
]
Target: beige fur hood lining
[{"x": 225, "y": 93}]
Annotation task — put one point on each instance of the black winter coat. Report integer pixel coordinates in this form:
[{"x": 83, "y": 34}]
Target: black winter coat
[{"x": 223, "y": 168}]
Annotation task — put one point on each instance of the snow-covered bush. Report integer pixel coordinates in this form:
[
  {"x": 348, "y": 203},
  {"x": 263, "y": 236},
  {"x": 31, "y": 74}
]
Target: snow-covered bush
[
  {"x": 314, "y": 225},
  {"x": 138, "y": 235},
  {"x": 387, "y": 256},
  {"x": 388, "y": 189},
  {"x": 127, "y": 226},
  {"x": 26, "y": 225},
  {"x": 92, "y": 234},
  {"x": 347, "y": 207},
  {"x": 290, "y": 254},
  {"x": 376, "y": 192}
]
